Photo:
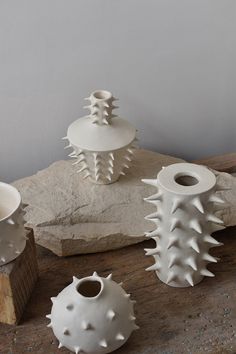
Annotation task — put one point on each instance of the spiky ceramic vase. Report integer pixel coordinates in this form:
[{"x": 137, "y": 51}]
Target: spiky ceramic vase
[
  {"x": 103, "y": 144},
  {"x": 92, "y": 315},
  {"x": 186, "y": 201},
  {"x": 12, "y": 232}
]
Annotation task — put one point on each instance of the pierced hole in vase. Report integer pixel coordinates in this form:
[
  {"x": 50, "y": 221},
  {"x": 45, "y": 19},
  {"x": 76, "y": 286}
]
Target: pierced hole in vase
[
  {"x": 102, "y": 95},
  {"x": 89, "y": 288},
  {"x": 186, "y": 180}
]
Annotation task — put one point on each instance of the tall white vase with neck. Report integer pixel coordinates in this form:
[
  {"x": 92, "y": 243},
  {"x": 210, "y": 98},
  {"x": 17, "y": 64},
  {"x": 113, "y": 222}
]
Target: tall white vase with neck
[
  {"x": 186, "y": 200},
  {"x": 12, "y": 232},
  {"x": 102, "y": 143}
]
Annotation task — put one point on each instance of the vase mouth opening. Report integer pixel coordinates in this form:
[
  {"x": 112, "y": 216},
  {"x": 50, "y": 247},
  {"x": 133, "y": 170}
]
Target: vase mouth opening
[
  {"x": 102, "y": 95},
  {"x": 90, "y": 288},
  {"x": 10, "y": 200},
  {"x": 186, "y": 179}
]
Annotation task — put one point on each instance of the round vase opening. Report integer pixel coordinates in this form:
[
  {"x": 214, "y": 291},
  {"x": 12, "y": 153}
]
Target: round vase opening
[
  {"x": 102, "y": 95},
  {"x": 9, "y": 200},
  {"x": 89, "y": 288},
  {"x": 186, "y": 180}
]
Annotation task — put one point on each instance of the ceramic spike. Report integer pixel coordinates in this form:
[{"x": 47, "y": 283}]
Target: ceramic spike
[
  {"x": 105, "y": 141},
  {"x": 12, "y": 231},
  {"x": 185, "y": 202},
  {"x": 92, "y": 315}
]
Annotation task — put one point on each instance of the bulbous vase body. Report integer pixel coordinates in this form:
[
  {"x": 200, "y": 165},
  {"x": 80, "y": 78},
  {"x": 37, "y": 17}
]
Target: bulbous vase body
[{"x": 92, "y": 315}]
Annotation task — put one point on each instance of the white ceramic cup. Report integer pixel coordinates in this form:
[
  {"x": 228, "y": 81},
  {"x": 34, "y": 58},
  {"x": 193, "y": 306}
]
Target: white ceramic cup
[{"x": 12, "y": 231}]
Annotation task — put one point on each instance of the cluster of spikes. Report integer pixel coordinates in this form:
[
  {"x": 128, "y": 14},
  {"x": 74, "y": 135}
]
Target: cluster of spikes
[
  {"x": 101, "y": 112},
  {"x": 102, "y": 166},
  {"x": 200, "y": 232},
  {"x": 89, "y": 326},
  {"x": 15, "y": 221}
]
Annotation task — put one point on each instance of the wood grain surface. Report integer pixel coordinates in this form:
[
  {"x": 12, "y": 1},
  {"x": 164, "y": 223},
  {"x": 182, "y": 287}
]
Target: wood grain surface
[
  {"x": 223, "y": 163},
  {"x": 17, "y": 280},
  {"x": 172, "y": 321}
]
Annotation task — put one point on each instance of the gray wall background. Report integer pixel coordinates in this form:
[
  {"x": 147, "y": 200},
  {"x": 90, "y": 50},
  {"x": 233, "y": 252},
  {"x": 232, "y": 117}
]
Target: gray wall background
[{"x": 172, "y": 63}]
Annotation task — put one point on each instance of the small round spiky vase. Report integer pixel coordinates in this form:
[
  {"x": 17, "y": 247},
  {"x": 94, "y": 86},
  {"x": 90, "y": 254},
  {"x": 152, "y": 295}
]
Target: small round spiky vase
[
  {"x": 103, "y": 144},
  {"x": 12, "y": 232},
  {"x": 92, "y": 315},
  {"x": 186, "y": 201}
]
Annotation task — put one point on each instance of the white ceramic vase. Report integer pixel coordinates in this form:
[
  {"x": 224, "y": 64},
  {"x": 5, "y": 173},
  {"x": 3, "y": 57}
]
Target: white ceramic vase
[
  {"x": 102, "y": 143},
  {"x": 92, "y": 315},
  {"x": 186, "y": 201},
  {"x": 12, "y": 232}
]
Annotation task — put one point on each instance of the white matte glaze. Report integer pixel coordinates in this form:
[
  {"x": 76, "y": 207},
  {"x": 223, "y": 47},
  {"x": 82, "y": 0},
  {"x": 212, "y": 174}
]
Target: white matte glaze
[
  {"x": 184, "y": 222},
  {"x": 103, "y": 144},
  {"x": 12, "y": 232},
  {"x": 100, "y": 323}
]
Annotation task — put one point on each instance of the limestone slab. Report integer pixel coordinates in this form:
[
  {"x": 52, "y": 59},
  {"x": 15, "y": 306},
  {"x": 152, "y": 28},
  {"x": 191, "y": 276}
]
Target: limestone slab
[{"x": 70, "y": 215}]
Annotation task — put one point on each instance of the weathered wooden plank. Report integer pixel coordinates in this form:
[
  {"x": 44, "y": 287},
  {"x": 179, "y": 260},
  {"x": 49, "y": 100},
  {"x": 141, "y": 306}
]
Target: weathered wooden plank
[
  {"x": 192, "y": 320},
  {"x": 223, "y": 163},
  {"x": 17, "y": 280}
]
